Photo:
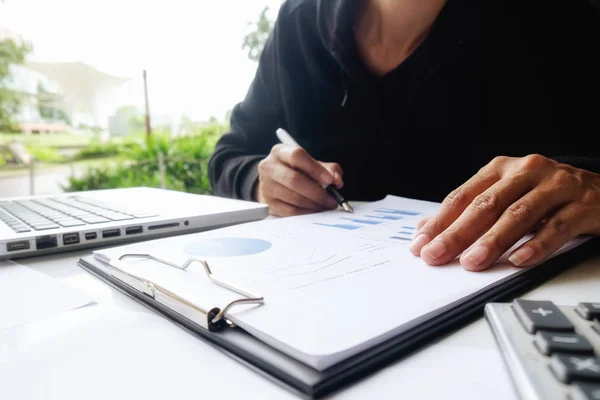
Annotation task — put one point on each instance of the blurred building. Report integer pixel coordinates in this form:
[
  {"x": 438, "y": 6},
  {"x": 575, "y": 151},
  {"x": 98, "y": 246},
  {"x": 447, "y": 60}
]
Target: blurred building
[{"x": 59, "y": 96}]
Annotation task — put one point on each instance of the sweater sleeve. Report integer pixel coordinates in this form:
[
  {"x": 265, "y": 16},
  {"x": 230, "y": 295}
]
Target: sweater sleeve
[{"x": 233, "y": 166}]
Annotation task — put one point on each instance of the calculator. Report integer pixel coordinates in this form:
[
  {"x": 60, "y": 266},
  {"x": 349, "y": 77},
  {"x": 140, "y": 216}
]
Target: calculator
[{"x": 551, "y": 351}]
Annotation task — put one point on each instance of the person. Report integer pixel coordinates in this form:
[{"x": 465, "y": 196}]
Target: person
[{"x": 487, "y": 106}]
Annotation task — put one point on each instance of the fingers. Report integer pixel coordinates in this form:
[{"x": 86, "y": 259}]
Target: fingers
[
  {"x": 299, "y": 183},
  {"x": 567, "y": 223},
  {"x": 291, "y": 182},
  {"x": 282, "y": 193},
  {"x": 516, "y": 221},
  {"x": 282, "y": 209},
  {"x": 298, "y": 159},
  {"x": 336, "y": 170},
  {"x": 452, "y": 207},
  {"x": 477, "y": 218},
  {"x": 422, "y": 222}
]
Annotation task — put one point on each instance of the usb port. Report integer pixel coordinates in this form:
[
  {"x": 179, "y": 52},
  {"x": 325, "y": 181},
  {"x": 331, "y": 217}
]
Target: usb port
[
  {"x": 70, "y": 238},
  {"x": 133, "y": 230},
  {"x": 108, "y": 233},
  {"x": 15, "y": 246},
  {"x": 91, "y": 235}
]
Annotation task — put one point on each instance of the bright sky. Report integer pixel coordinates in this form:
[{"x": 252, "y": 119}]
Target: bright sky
[{"x": 191, "y": 48}]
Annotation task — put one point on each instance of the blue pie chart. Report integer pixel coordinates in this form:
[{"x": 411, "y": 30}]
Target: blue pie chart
[{"x": 227, "y": 247}]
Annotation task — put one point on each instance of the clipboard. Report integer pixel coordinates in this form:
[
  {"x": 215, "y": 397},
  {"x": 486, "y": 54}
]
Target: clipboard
[{"x": 302, "y": 379}]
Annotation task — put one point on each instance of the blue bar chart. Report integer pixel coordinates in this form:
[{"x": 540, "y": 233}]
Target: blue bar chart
[
  {"x": 364, "y": 221},
  {"x": 406, "y": 234},
  {"x": 401, "y": 238},
  {"x": 397, "y": 212},
  {"x": 374, "y": 218},
  {"x": 339, "y": 226},
  {"x": 388, "y": 217}
]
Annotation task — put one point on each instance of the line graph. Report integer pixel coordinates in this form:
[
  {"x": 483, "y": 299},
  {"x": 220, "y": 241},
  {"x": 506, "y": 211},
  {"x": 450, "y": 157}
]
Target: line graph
[{"x": 315, "y": 270}]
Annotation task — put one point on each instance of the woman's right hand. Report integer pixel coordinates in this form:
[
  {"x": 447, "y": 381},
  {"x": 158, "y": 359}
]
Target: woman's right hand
[{"x": 291, "y": 182}]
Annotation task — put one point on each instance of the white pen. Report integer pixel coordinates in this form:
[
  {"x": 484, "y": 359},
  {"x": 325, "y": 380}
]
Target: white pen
[{"x": 287, "y": 139}]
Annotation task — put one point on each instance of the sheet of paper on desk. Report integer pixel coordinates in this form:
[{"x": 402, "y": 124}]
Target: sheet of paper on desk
[
  {"x": 334, "y": 283},
  {"x": 27, "y": 295}
]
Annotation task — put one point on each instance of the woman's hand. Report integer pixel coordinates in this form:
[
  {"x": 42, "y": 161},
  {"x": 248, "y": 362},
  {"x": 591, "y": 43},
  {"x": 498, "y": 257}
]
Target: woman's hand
[
  {"x": 291, "y": 182},
  {"x": 504, "y": 201}
]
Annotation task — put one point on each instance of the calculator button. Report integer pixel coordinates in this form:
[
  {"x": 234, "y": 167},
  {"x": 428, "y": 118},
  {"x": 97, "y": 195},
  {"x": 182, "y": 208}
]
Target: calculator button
[
  {"x": 596, "y": 326},
  {"x": 536, "y": 315},
  {"x": 589, "y": 311},
  {"x": 556, "y": 342},
  {"x": 586, "y": 391},
  {"x": 568, "y": 368}
]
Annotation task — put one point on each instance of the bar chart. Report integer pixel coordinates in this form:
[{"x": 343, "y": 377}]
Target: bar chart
[{"x": 373, "y": 218}]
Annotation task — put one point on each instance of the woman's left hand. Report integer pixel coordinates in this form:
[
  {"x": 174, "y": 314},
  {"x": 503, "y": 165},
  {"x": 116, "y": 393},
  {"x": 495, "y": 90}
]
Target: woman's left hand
[{"x": 504, "y": 201}]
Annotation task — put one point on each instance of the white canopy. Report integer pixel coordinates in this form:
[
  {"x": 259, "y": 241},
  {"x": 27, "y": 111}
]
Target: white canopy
[{"x": 86, "y": 91}]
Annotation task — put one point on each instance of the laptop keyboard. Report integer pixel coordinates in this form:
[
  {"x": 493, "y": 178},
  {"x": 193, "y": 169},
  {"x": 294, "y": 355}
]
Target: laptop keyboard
[{"x": 56, "y": 212}]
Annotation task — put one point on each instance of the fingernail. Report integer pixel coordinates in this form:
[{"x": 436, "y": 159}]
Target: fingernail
[
  {"x": 332, "y": 203},
  {"x": 521, "y": 256},
  {"x": 434, "y": 250},
  {"x": 418, "y": 243},
  {"x": 477, "y": 255},
  {"x": 326, "y": 178}
]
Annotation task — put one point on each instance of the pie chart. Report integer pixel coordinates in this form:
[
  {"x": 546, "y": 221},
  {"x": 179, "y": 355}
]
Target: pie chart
[{"x": 227, "y": 247}]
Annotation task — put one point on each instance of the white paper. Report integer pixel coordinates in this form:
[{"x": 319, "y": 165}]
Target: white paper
[
  {"x": 334, "y": 283},
  {"x": 120, "y": 355},
  {"x": 27, "y": 295}
]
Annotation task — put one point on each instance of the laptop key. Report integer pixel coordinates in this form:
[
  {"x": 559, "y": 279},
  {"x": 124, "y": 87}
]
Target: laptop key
[
  {"x": 536, "y": 315},
  {"x": 144, "y": 215},
  {"x": 94, "y": 219},
  {"x": 21, "y": 229},
  {"x": 116, "y": 216},
  {"x": 70, "y": 222},
  {"x": 42, "y": 227}
]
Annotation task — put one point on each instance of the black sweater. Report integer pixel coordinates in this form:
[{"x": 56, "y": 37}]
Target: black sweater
[{"x": 494, "y": 77}]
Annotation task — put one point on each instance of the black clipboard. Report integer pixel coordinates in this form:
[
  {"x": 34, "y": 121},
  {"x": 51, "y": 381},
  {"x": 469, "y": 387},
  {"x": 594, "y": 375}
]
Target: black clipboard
[{"x": 313, "y": 384}]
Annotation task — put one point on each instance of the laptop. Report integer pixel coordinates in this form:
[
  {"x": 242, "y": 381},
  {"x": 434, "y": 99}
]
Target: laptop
[{"x": 37, "y": 225}]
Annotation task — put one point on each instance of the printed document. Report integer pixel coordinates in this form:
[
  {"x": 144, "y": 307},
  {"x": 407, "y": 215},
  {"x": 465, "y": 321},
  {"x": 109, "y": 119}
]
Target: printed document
[{"x": 334, "y": 283}]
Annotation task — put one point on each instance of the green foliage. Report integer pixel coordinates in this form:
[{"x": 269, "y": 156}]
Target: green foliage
[
  {"x": 47, "y": 139},
  {"x": 130, "y": 119},
  {"x": 186, "y": 164},
  {"x": 47, "y": 105},
  {"x": 98, "y": 150},
  {"x": 11, "y": 53},
  {"x": 254, "y": 42},
  {"x": 46, "y": 154}
]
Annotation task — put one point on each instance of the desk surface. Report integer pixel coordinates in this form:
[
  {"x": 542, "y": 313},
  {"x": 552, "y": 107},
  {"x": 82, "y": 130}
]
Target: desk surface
[{"x": 464, "y": 365}]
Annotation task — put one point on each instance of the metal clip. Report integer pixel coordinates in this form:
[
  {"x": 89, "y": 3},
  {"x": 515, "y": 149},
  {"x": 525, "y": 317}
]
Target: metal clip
[{"x": 215, "y": 316}]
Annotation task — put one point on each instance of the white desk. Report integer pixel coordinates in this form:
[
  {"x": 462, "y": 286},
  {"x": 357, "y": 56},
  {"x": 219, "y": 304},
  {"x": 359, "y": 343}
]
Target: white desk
[{"x": 464, "y": 365}]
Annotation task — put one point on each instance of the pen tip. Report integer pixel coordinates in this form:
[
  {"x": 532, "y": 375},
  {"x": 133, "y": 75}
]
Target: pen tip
[{"x": 347, "y": 207}]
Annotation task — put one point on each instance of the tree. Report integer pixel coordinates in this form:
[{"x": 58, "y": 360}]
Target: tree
[
  {"x": 254, "y": 42},
  {"x": 129, "y": 119},
  {"x": 47, "y": 108},
  {"x": 11, "y": 53}
]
